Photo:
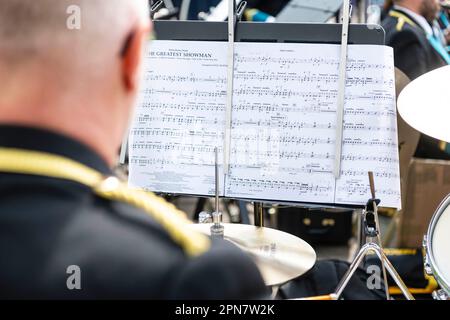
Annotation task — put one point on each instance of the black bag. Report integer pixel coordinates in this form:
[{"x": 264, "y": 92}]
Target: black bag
[
  {"x": 317, "y": 226},
  {"x": 409, "y": 265}
]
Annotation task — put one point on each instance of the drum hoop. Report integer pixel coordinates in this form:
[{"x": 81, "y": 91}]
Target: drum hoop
[{"x": 429, "y": 249}]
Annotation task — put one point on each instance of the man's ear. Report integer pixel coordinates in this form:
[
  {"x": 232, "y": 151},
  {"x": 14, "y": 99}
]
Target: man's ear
[{"x": 131, "y": 58}]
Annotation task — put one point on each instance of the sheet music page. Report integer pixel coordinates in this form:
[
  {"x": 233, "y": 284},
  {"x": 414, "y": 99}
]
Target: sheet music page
[
  {"x": 284, "y": 124},
  {"x": 180, "y": 118},
  {"x": 370, "y": 139}
]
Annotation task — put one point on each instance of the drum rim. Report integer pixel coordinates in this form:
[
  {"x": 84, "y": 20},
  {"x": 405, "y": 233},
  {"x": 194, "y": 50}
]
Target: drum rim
[{"x": 429, "y": 249}]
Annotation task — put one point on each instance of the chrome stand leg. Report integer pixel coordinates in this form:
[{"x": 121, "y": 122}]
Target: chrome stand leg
[
  {"x": 386, "y": 284},
  {"x": 384, "y": 260},
  {"x": 275, "y": 290},
  {"x": 390, "y": 268},
  {"x": 370, "y": 230},
  {"x": 361, "y": 234},
  {"x": 349, "y": 274},
  {"x": 385, "y": 280}
]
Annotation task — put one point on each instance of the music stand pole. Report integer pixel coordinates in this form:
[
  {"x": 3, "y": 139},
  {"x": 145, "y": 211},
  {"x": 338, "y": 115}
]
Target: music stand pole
[{"x": 258, "y": 208}]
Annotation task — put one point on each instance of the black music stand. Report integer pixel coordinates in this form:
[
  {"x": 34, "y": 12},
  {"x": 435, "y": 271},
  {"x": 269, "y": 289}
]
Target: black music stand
[{"x": 267, "y": 32}]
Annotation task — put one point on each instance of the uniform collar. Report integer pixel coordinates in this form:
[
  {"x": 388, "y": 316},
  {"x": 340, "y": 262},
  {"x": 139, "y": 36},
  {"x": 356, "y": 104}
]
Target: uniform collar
[
  {"x": 421, "y": 21},
  {"x": 42, "y": 140}
]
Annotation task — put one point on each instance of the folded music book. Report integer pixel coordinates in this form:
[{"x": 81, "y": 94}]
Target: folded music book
[{"x": 283, "y": 123}]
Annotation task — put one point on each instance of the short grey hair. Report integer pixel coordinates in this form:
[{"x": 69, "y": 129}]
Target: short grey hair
[{"x": 31, "y": 28}]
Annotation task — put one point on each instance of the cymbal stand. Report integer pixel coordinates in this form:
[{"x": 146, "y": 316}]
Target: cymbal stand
[
  {"x": 217, "y": 229},
  {"x": 371, "y": 229}
]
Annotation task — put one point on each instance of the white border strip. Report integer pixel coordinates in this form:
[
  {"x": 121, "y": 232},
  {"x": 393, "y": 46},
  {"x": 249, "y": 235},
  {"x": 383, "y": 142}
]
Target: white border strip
[{"x": 342, "y": 85}]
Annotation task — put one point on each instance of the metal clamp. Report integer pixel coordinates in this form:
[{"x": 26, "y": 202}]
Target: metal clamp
[
  {"x": 240, "y": 11},
  {"x": 370, "y": 223},
  {"x": 155, "y": 6},
  {"x": 440, "y": 295}
]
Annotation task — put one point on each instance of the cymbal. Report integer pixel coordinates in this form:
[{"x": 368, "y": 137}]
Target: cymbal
[
  {"x": 408, "y": 138},
  {"x": 425, "y": 105},
  {"x": 279, "y": 256}
]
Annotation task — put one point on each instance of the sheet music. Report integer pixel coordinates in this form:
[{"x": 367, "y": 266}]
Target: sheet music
[
  {"x": 180, "y": 118},
  {"x": 283, "y": 122},
  {"x": 370, "y": 141}
]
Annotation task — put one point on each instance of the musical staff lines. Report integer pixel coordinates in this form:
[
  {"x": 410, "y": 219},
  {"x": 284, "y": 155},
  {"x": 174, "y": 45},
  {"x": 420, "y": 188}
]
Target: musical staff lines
[
  {"x": 309, "y": 77},
  {"x": 192, "y": 78},
  {"x": 283, "y": 122},
  {"x": 189, "y": 107},
  {"x": 263, "y": 189},
  {"x": 290, "y": 60},
  {"x": 180, "y": 118}
]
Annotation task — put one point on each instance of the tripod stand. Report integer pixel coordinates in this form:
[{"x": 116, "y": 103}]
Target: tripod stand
[{"x": 371, "y": 231}]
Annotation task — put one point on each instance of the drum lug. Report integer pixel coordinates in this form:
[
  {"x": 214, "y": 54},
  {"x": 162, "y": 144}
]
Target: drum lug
[
  {"x": 424, "y": 243},
  {"x": 426, "y": 262},
  {"x": 440, "y": 295},
  {"x": 428, "y": 270},
  {"x": 427, "y": 266}
]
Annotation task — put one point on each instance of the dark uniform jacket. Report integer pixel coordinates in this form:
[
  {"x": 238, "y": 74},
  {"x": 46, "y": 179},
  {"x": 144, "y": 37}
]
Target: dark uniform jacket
[
  {"x": 48, "y": 225},
  {"x": 415, "y": 56},
  {"x": 413, "y": 53}
]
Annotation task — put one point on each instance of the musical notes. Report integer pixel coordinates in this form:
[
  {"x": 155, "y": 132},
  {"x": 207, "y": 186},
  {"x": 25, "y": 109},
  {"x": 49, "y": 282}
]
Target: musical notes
[
  {"x": 268, "y": 188},
  {"x": 283, "y": 122},
  {"x": 180, "y": 118},
  {"x": 150, "y": 107},
  {"x": 192, "y": 78},
  {"x": 376, "y": 147}
]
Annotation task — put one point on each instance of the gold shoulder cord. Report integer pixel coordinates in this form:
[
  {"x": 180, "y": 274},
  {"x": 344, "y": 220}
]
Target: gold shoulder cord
[
  {"x": 174, "y": 221},
  {"x": 401, "y": 19}
]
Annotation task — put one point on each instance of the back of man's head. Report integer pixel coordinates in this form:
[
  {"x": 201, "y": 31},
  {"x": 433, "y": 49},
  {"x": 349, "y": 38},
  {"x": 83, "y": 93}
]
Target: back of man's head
[
  {"x": 33, "y": 28},
  {"x": 66, "y": 61}
]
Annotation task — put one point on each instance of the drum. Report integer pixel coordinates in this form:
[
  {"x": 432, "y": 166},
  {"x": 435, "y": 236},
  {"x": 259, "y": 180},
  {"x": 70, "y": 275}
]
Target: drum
[{"x": 436, "y": 242}]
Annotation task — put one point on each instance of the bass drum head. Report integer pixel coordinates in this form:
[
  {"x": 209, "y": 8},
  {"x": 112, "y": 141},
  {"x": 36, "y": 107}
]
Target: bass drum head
[{"x": 439, "y": 245}]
